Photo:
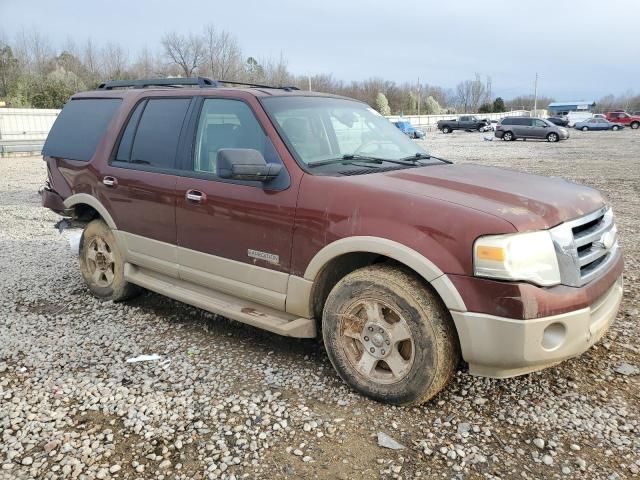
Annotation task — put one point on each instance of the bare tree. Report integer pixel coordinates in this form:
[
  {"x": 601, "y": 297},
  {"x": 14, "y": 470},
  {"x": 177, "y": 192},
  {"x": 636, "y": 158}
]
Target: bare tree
[
  {"x": 115, "y": 61},
  {"x": 187, "y": 52},
  {"x": 223, "y": 54},
  {"x": 276, "y": 72},
  {"x": 33, "y": 51},
  {"x": 90, "y": 61}
]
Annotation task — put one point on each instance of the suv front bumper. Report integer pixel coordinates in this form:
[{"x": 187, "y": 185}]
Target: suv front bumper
[{"x": 502, "y": 347}]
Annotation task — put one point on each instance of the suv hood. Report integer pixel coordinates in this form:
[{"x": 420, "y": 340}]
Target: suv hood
[{"x": 528, "y": 202}]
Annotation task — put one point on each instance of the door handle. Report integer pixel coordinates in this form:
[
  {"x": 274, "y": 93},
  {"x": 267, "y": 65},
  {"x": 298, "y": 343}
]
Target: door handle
[
  {"x": 195, "y": 196},
  {"x": 110, "y": 181}
]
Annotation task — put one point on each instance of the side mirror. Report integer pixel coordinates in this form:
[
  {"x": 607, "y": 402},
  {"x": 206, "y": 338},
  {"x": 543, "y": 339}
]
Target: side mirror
[{"x": 245, "y": 164}]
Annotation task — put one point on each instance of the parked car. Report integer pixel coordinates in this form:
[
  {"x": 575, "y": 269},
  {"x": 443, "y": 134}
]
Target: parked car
[
  {"x": 408, "y": 129},
  {"x": 599, "y": 115},
  {"x": 292, "y": 210},
  {"x": 624, "y": 118},
  {"x": 598, "y": 124},
  {"x": 514, "y": 128},
  {"x": 465, "y": 122},
  {"x": 561, "y": 122}
]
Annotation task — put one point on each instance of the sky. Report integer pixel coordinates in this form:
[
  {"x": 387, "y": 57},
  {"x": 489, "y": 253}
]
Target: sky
[{"x": 581, "y": 49}]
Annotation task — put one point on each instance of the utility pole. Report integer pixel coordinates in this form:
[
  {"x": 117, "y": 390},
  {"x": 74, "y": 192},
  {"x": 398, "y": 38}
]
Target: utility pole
[
  {"x": 535, "y": 96},
  {"x": 418, "y": 100},
  {"x": 309, "y": 78}
]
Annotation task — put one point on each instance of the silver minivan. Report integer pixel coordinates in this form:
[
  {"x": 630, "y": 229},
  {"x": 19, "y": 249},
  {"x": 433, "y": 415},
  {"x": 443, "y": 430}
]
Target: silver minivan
[{"x": 513, "y": 128}]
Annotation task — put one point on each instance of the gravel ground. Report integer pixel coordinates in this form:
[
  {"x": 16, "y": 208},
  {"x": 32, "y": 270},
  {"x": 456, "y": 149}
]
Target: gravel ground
[{"x": 229, "y": 401}]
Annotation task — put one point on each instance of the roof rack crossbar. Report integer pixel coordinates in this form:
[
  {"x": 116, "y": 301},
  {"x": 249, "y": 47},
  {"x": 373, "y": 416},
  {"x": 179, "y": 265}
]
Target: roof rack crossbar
[{"x": 201, "y": 82}]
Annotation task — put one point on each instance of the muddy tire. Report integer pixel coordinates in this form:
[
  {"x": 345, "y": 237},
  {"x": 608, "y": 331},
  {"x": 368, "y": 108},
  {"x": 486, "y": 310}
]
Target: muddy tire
[
  {"x": 102, "y": 263},
  {"x": 388, "y": 336}
]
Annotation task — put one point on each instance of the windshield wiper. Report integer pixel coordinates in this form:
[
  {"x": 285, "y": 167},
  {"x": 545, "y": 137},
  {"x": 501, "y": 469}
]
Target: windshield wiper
[
  {"x": 347, "y": 158},
  {"x": 365, "y": 158},
  {"x": 411, "y": 161},
  {"x": 423, "y": 156}
]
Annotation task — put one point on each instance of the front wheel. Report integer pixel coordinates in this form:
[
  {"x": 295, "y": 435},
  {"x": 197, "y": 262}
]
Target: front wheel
[
  {"x": 585, "y": 129},
  {"x": 615, "y": 128},
  {"x": 553, "y": 137},
  {"x": 102, "y": 263},
  {"x": 635, "y": 125},
  {"x": 388, "y": 336}
]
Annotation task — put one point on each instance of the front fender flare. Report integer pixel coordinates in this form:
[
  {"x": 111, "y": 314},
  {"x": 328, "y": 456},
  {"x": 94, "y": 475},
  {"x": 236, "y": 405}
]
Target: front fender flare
[{"x": 392, "y": 249}]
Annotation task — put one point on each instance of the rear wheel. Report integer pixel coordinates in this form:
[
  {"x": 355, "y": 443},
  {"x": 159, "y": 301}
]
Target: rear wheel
[
  {"x": 553, "y": 137},
  {"x": 388, "y": 336},
  {"x": 584, "y": 129},
  {"x": 508, "y": 136},
  {"x": 102, "y": 263},
  {"x": 446, "y": 130},
  {"x": 615, "y": 128},
  {"x": 635, "y": 125}
]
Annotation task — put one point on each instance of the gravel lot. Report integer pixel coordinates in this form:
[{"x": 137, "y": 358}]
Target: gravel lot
[{"x": 229, "y": 401}]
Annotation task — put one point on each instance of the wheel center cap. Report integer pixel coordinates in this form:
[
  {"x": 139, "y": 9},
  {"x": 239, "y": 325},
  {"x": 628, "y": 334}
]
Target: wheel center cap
[
  {"x": 101, "y": 261},
  {"x": 376, "y": 340}
]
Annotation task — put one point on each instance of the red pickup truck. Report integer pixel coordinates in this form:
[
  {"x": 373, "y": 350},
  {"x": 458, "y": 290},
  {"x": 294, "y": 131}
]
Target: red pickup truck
[{"x": 624, "y": 118}]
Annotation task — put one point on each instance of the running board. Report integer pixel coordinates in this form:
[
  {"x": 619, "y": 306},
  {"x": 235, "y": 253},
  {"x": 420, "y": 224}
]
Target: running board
[{"x": 228, "y": 306}]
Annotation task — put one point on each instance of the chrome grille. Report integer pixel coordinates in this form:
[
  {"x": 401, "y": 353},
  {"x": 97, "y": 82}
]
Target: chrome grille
[{"x": 585, "y": 246}]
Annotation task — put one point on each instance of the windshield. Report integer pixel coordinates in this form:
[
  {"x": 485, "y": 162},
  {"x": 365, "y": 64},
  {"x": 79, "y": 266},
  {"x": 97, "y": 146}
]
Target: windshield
[{"x": 324, "y": 128}]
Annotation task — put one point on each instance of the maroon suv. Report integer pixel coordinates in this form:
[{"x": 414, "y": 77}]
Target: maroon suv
[{"x": 302, "y": 213}]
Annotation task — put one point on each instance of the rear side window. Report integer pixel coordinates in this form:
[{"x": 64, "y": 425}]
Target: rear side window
[
  {"x": 152, "y": 134},
  {"x": 80, "y": 127}
]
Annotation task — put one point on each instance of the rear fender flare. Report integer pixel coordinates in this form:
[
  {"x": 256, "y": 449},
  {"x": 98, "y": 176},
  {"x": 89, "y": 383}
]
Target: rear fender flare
[{"x": 85, "y": 198}]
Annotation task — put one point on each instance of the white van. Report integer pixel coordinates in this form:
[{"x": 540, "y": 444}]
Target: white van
[{"x": 575, "y": 117}]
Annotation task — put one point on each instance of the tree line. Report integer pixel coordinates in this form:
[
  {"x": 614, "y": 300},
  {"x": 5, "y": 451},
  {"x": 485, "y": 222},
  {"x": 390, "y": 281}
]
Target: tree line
[{"x": 35, "y": 73}]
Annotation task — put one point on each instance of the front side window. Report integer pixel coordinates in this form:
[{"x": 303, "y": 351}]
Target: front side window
[
  {"x": 320, "y": 129},
  {"x": 226, "y": 123},
  {"x": 539, "y": 123}
]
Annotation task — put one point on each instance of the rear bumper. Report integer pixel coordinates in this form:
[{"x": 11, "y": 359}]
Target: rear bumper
[
  {"x": 51, "y": 200},
  {"x": 503, "y": 347}
]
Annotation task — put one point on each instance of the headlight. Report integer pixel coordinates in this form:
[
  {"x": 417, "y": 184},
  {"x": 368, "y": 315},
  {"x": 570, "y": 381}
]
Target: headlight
[{"x": 520, "y": 256}]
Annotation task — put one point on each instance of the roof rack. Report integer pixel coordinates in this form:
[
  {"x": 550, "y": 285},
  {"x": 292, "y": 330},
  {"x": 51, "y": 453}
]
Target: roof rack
[
  {"x": 201, "y": 82},
  {"x": 257, "y": 85},
  {"x": 159, "y": 82}
]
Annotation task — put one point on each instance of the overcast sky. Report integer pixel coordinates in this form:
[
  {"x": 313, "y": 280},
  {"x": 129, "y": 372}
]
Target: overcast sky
[{"x": 582, "y": 49}]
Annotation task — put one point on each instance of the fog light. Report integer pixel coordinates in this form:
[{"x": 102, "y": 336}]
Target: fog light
[{"x": 553, "y": 336}]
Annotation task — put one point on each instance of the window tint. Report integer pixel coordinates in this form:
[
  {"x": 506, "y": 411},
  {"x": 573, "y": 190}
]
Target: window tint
[
  {"x": 158, "y": 131},
  {"x": 228, "y": 124},
  {"x": 80, "y": 127},
  {"x": 539, "y": 123}
]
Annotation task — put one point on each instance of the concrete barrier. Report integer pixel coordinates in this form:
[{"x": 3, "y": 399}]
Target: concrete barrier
[{"x": 24, "y": 130}]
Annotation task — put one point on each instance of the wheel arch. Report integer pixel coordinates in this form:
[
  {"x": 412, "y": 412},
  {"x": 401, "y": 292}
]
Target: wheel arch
[
  {"x": 343, "y": 256},
  {"x": 84, "y": 205}
]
